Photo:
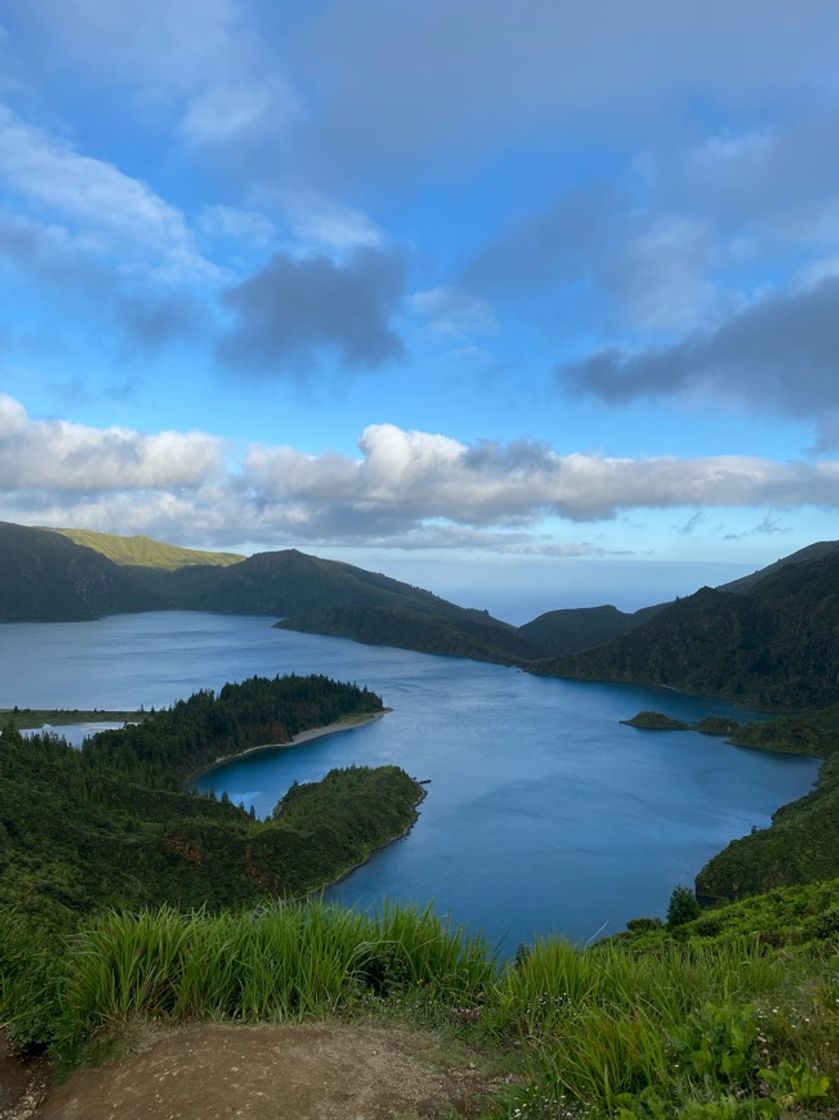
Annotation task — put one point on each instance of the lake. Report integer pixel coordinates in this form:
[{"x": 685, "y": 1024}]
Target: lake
[{"x": 544, "y": 814}]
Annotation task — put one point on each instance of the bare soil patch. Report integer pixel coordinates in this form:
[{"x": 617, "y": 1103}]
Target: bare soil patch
[{"x": 277, "y": 1072}]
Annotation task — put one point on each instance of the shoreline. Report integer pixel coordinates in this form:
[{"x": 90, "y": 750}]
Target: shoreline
[
  {"x": 346, "y": 724},
  {"x": 423, "y": 793}
]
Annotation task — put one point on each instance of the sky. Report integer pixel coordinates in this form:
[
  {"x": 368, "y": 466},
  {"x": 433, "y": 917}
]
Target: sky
[{"x": 535, "y": 304}]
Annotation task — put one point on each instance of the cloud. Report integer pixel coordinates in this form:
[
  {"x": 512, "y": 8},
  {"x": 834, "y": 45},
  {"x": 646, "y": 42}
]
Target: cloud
[
  {"x": 62, "y": 457},
  {"x": 456, "y": 78},
  {"x": 160, "y": 45},
  {"x": 235, "y": 111},
  {"x": 767, "y": 527},
  {"x": 780, "y": 354},
  {"x": 319, "y": 222},
  {"x": 687, "y": 529},
  {"x": 111, "y": 209},
  {"x": 288, "y": 313},
  {"x": 405, "y": 489},
  {"x": 239, "y": 225},
  {"x": 454, "y": 311}
]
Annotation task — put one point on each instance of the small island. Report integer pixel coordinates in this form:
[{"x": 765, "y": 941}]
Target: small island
[{"x": 656, "y": 721}]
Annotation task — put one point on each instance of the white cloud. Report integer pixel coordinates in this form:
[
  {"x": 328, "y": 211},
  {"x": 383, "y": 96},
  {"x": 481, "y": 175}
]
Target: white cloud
[
  {"x": 406, "y": 489},
  {"x": 111, "y": 208},
  {"x": 57, "y": 456},
  {"x": 318, "y": 222}
]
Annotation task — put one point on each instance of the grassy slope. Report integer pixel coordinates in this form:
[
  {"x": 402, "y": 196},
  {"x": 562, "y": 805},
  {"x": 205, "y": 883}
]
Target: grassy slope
[
  {"x": 46, "y": 578},
  {"x": 145, "y": 552}
]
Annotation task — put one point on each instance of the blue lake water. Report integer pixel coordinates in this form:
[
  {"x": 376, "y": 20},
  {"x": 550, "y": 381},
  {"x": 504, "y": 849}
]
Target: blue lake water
[{"x": 544, "y": 814}]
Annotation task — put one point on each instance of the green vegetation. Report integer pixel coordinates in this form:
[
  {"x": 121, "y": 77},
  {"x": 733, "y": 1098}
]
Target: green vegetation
[
  {"x": 656, "y": 721},
  {"x": 690, "y": 1026},
  {"x": 683, "y": 907},
  {"x": 771, "y": 643},
  {"x": 111, "y": 824},
  {"x": 145, "y": 552},
  {"x": 557, "y": 633},
  {"x": 456, "y": 633},
  {"x": 46, "y": 578},
  {"x": 800, "y": 846}
]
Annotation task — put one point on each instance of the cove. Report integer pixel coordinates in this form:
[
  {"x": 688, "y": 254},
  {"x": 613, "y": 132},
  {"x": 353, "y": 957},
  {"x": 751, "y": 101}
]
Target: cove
[{"x": 543, "y": 813}]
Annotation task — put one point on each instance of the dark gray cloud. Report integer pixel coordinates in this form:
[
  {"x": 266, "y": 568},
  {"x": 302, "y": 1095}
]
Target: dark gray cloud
[
  {"x": 562, "y": 242},
  {"x": 452, "y": 78},
  {"x": 780, "y": 354},
  {"x": 292, "y": 309}
]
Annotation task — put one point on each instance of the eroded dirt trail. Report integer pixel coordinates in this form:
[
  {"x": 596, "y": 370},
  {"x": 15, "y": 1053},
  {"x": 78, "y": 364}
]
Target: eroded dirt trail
[{"x": 300, "y": 1072}]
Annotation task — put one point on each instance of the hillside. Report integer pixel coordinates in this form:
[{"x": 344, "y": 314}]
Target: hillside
[
  {"x": 331, "y": 597},
  {"x": 46, "y": 578},
  {"x": 49, "y": 577},
  {"x": 146, "y": 552},
  {"x": 559, "y": 632},
  {"x": 815, "y": 551},
  {"x": 455, "y": 633},
  {"x": 775, "y": 645}
]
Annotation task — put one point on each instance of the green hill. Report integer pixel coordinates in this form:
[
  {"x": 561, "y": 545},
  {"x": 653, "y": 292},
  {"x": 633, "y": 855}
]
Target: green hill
[
  {"x": 774, "y": 645},
  {"x": 145, "y": 552},
  {"x": 330, "y": 597},
  {"x": 49, "y": 577},
  {"x": 559, "y": 632},
  {"x": 46, "y": 578},
  {"x": 814, "y": 551}
]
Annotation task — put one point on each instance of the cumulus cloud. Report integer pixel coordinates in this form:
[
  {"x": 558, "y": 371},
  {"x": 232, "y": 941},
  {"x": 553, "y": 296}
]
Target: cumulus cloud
[
  {"x": 288, "y": 313},
  {"x": 54, "y": 455},
  {"x": 780, "y": 354},
  {"x": 405, "y": 489}
]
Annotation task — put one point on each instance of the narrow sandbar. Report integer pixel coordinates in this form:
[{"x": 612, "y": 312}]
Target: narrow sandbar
[{"x": 347, "y": 724}]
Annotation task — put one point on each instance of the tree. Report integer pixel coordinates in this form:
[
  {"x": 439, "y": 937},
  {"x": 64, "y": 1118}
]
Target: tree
[{"x": 683, "y": 907}]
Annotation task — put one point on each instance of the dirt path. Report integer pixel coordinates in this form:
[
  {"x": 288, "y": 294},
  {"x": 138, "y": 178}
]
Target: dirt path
[{"x": 301, "y": 1072}]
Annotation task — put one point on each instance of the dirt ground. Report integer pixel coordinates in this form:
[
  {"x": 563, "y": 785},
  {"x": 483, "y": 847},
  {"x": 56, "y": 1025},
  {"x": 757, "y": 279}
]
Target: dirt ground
[{"x": 267, "y": 1072}]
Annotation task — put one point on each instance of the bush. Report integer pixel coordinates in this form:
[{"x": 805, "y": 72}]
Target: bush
[{"x": 683, "y": 907}]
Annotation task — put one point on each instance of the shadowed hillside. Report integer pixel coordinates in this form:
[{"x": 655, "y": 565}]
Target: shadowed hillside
[
  {"x": 46, "y": 578},
  {"x": 776, "y": 645}
]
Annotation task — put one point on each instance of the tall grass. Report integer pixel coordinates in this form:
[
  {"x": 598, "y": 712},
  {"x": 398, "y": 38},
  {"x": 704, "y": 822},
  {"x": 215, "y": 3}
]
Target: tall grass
[
  {"x": 285, "y": 962},
  {"x": 606, "y": 1032}
]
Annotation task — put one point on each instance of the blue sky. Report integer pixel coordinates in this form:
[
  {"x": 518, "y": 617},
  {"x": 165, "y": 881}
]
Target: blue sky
[{"x": 535, "y": 304}]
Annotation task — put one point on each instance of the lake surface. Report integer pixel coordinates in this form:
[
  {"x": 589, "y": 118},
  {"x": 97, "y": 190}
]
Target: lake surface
[{"x": 544, "y": 814}]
